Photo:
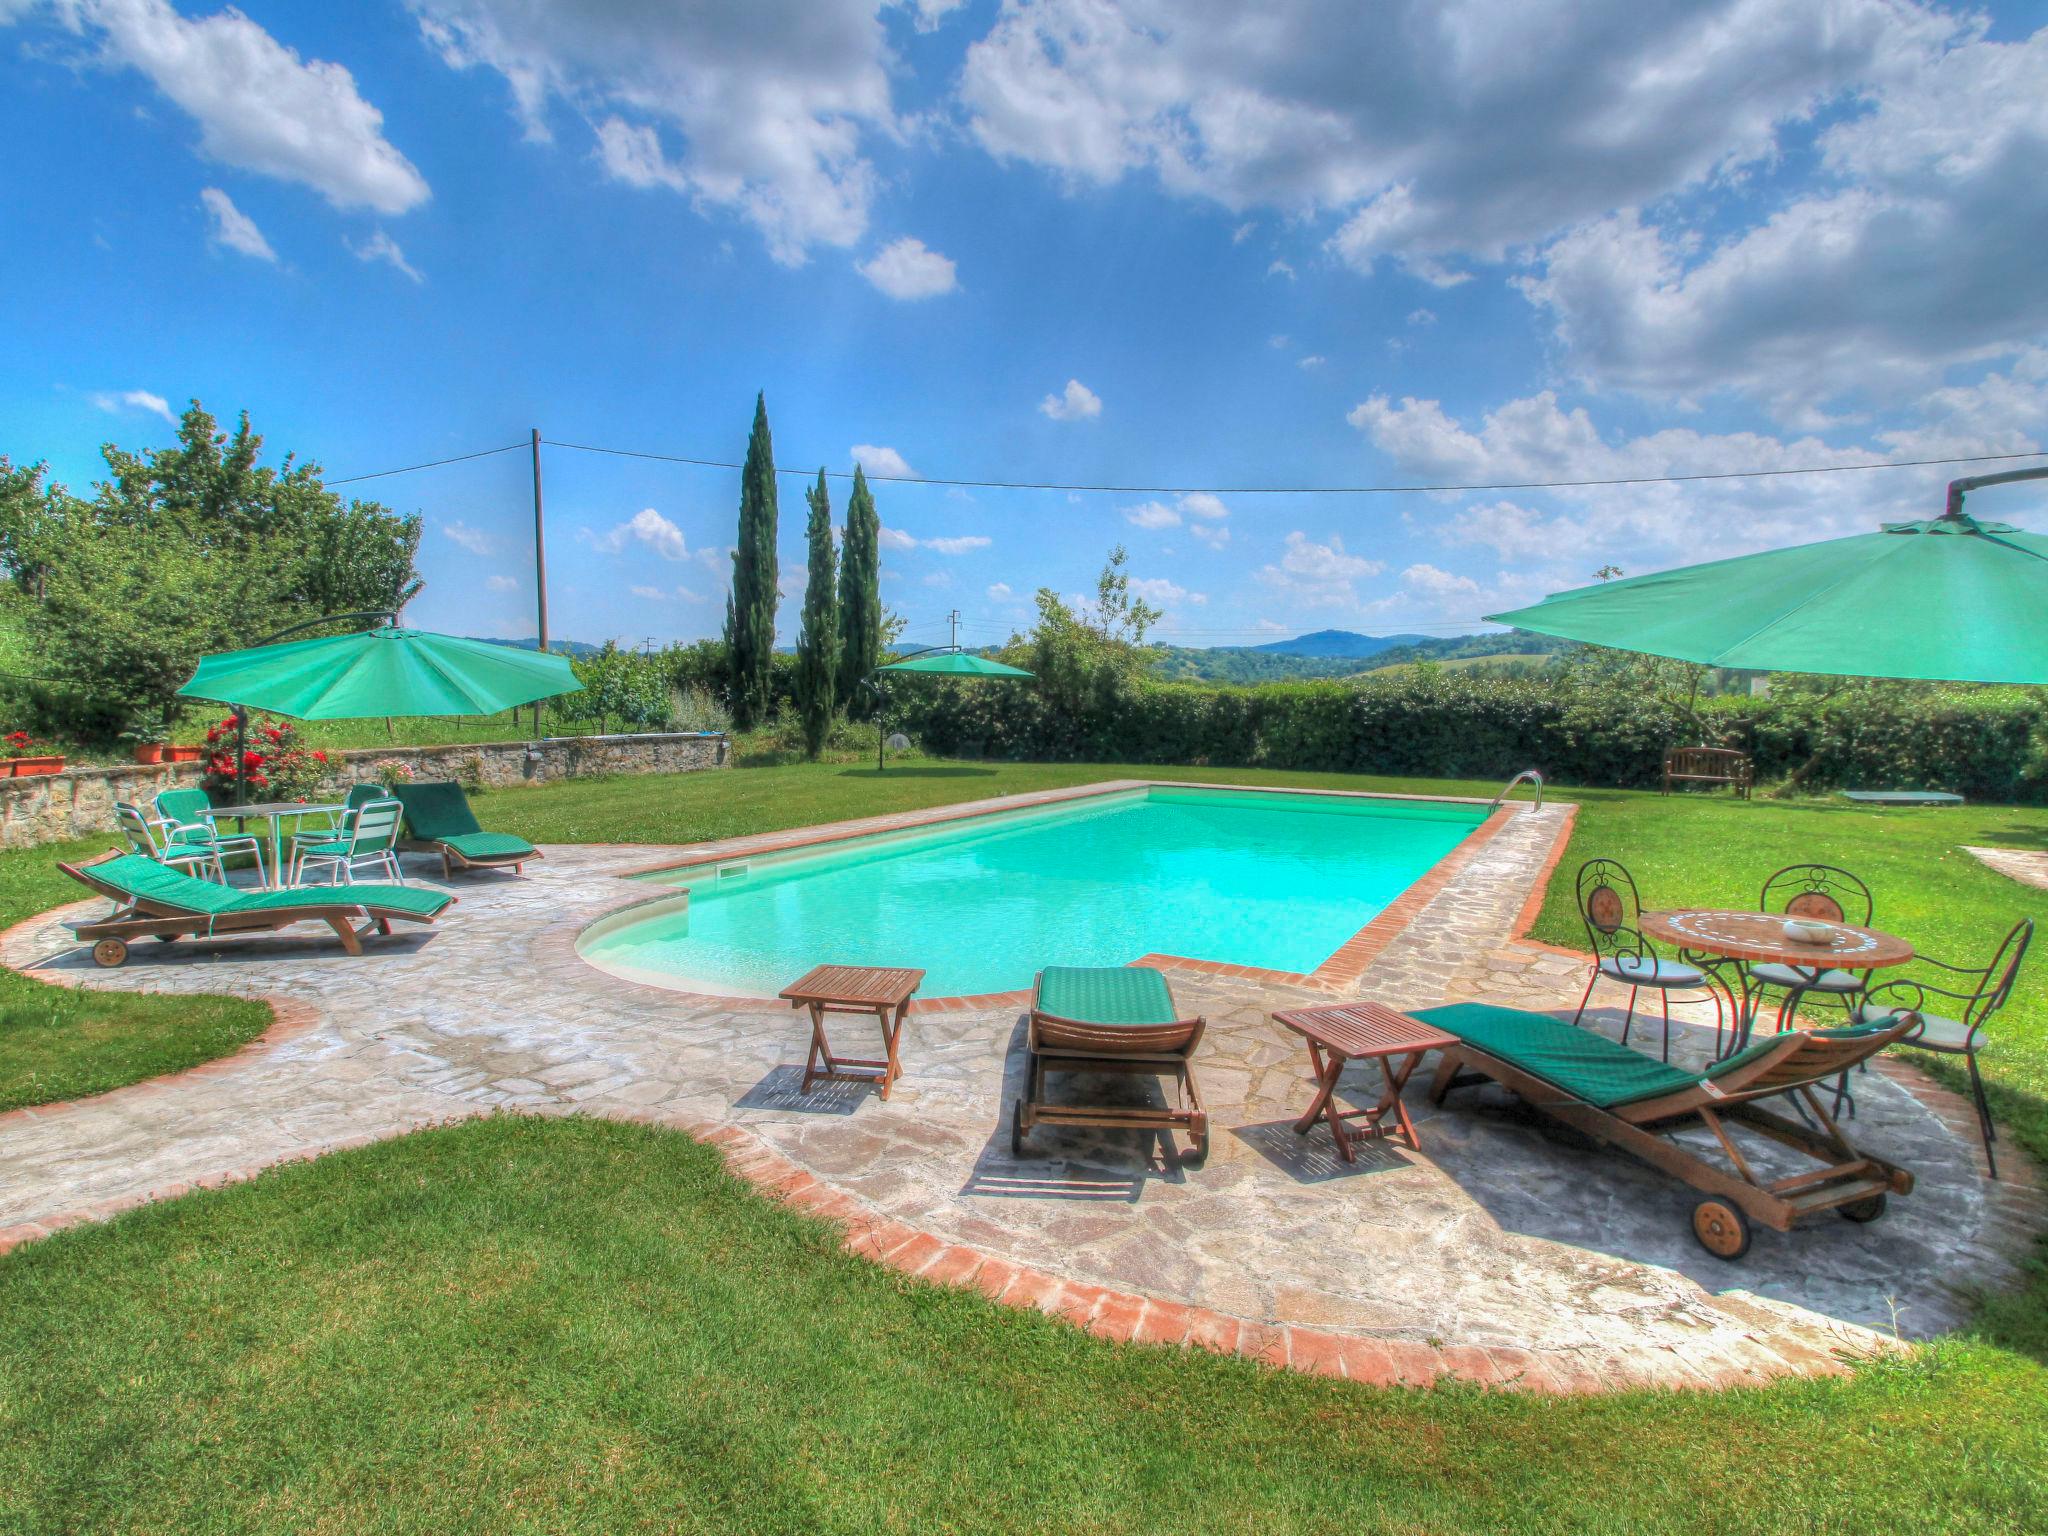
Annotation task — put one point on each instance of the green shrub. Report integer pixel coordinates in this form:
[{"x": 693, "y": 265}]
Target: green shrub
[{"x": 1984, "y": 743}]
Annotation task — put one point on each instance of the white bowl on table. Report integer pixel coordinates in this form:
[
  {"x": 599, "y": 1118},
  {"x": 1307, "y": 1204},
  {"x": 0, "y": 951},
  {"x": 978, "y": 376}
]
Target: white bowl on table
[{"x": 1806, "y": 930}]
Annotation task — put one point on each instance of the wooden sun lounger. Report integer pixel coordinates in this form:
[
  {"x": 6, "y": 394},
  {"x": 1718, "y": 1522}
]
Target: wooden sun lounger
[
  {"x": 1115, "y": 1019},
  {"x": 1629, "y": 1100},
  {"x": 152, "y": 902}
]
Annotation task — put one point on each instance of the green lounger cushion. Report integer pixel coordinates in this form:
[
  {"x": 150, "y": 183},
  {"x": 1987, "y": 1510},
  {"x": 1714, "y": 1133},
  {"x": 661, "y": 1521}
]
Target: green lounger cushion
[
  {"x": 438, "y": 812},
  {"x": 489, "y": 845},
  {"x": 1105, "y": 994},
  {"x": 145, "y": 879},
  {"x": 1587, "y": 1066}
]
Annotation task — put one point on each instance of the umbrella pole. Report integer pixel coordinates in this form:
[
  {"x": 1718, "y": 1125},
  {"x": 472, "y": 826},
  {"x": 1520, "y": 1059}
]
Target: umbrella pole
[{"x": 241, "y": 751}]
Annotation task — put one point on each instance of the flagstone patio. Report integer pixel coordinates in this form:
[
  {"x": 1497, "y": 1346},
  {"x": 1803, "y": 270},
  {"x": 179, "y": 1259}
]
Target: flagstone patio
[{"x": 1503, "y": 1250}]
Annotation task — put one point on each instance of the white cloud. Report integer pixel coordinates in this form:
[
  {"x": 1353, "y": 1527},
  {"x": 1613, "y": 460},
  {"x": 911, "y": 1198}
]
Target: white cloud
[
  {"x": 1077, "y": 402},
  {"x": 1313, "y": 360},
  {"x": 905, "y": 269},
  {"x": 1243, "y": 232},
  {"x": 1651, "y": 525},
  {"x": 1279, "y": 268},
  {"x": 114, "y": 401},
  {"x": 1437, "y": 582},
  {"x": 1161, "y": 592},
  {"x": 766, "y": 104},
  {"x": 502, "y": 583},
  {"x": 381, "y": 247},
  {"x": 649, "y": 594},
  {"x": 999, "y": 591},
  {"x": 946, "y": 544},
  {"x": 1279, "y": 341},
  {"x": 882, "y": 461},
  {"x": 938, "y": 578},
  {"x": 476, "y": 540},
  {"x": 1916, "y": 253},
  {"x": 650, "y": 528},
  {"x": 1198, "y": 506},
  {"x": 1215, "y": 535},
  {"x": 931, "y": 12},
  {"x": 1422, "y": 317},
  {"x": 259, "y": 106},
  {"x": 227, "y": 225},
  {"x": 1433, "y": 129},
  {"x": 1319, "y": 575}
]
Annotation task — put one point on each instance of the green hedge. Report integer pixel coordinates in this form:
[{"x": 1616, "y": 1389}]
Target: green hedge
[{"x": 1986, "y": 744}]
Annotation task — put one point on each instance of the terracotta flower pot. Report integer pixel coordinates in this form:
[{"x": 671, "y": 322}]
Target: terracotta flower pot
[
  {"x": 150, "y": 751},
  {"x": 183, "y": 754},
  {"x": 35, "y": 767}
]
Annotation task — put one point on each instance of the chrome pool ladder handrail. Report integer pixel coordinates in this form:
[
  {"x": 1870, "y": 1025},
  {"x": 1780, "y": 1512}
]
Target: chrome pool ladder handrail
[{"x": 1527, "y": 773}]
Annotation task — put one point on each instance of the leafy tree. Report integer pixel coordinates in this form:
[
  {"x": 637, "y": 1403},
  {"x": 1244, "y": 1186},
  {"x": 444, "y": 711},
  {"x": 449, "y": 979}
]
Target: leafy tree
[
  {"x": 860, "y": 596},
  {"x": 817, "y": 642},
  {"x": 1085, "y": 661},
  {"x": 750, "y": 607},
  {"x": 30, "y": 514},
  {"x": 185, "y": 550}
]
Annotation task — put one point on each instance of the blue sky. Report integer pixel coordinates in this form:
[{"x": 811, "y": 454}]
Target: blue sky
[{"x": 1074, "y": 241}]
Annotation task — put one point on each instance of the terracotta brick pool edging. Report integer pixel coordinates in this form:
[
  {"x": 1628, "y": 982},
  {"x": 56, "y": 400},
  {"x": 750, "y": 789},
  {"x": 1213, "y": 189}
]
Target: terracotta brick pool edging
[{"x": 1125, "y": 1317}]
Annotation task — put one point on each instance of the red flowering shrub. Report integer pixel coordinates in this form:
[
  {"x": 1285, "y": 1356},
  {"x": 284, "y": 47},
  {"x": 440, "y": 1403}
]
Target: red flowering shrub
[
  {"x": 21, "y": 744},
  {"x": 272, "y": 766}
]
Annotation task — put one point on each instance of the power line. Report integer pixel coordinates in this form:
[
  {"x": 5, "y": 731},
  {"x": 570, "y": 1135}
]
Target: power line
[
  {"x": 1312, "y": 490},
  {"x": 406, "y": 469}
]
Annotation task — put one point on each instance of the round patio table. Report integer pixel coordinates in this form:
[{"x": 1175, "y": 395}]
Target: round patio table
[
  {"x": 275, "y": 812},
  {"x": 1713, "y": 937}
]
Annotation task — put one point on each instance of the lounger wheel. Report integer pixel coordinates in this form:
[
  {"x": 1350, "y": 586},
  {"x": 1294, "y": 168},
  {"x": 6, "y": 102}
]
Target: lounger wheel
[
  {"x": 110, "y": 952},
  {"x": 1721, "y": 1229},
  {"x": 1869, "y": 1208},
  {"x": 1198, "y": 1153}
]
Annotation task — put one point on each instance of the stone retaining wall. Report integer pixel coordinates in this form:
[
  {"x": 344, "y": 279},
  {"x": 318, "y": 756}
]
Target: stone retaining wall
[{"x": 80, "y": 801}]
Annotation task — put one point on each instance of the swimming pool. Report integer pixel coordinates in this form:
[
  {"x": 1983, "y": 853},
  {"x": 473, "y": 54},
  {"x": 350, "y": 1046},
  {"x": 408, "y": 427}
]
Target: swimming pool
[{"x": 1240, "y": 877}]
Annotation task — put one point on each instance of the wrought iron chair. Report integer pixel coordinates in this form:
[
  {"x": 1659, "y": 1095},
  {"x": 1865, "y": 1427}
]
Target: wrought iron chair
[
  {"x": 1831, "y": 895},
  {"x": 1982, "y": 991},
  {"x": 1611, "y": 909}
]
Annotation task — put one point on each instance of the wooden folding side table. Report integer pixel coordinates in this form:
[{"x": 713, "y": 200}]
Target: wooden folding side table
[
  {"x": 882, "y": 991},
  {"x": 1348, "y": 1032}
]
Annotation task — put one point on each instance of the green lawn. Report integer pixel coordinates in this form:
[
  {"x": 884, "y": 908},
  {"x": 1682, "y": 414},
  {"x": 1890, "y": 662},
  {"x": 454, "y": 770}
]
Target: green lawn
[
  {"x": 515, "y": 1325},
  {"x": 61, "y": 1043},
  {"x": 543, "y": 1326}
]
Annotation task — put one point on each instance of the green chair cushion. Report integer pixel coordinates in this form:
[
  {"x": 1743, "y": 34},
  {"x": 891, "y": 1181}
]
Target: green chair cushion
[
  {"x": 436, "y": 811},
  {"x": 1105, "y": 994},
  {"x": 146, "y": 880},
  {"x": 1585, "y": 1065},
  {"x": 323, "y": 850},
  {"x": 489, "y": 845}
]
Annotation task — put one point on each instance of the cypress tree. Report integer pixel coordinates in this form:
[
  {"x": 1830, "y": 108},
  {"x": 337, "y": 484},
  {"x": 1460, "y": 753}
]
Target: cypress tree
[
  {"x": 750, "y": 609},
  {"x": 817, "y": 642},
  {"x": 860, "y": 597}
]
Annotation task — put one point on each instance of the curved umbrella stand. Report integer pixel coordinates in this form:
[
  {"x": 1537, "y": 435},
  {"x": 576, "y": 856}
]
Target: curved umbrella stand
[{"x": 942, "y": 660}]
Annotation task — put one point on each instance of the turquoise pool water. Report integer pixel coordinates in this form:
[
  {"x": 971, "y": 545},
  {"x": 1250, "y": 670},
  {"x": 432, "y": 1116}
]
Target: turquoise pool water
[{"x": 1279, "y": 881}]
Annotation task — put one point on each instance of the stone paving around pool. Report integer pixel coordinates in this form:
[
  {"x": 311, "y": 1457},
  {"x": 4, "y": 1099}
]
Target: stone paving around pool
[{"x": 1504, "y": 1251}]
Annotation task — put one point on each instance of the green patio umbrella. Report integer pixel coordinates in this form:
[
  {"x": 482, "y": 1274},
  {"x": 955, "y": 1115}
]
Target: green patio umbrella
[
  {"x": 1949, "y": 599},
  {"x": 944, "y": 661},
  {"x": 382, "y": 671},
  {"x": 955, "y": 664}
]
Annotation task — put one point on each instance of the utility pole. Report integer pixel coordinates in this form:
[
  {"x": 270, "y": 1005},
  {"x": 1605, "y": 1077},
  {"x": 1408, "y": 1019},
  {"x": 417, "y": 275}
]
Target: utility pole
[
  {"x": 540, "y": 566},
  {"x": 953, "y": 618}
]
